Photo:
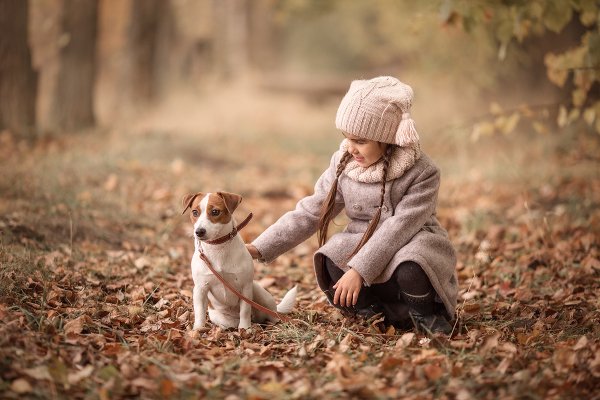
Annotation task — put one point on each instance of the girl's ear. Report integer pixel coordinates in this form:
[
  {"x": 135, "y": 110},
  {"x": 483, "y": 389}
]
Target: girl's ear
[
  {"x": 231, "y": 200},
  {"x": 187, "y": 200}
]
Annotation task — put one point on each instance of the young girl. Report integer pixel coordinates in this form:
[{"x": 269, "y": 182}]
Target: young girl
[{"x": 393, "y": 257}]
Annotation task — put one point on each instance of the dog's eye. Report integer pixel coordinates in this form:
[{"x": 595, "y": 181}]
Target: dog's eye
[
  {"x": 195, "y": 213},
  {"x": 215, "y": 212}
]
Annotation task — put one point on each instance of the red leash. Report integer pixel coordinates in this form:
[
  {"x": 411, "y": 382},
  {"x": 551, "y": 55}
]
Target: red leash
[{"x": 224, "y": 239}]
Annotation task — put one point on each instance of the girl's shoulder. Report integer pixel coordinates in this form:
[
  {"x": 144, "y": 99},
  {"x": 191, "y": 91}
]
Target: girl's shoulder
[
  {"x": 423, "y": 166},
  {"x": 425, "y": 162}
]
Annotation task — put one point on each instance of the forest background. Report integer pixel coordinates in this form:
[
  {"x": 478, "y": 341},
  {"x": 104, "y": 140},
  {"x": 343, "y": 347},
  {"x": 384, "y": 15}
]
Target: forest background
[{"x": 112, "y": 110}]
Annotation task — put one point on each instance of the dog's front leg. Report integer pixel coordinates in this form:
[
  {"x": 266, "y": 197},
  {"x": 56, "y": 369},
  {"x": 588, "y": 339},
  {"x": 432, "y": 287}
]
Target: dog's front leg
[
  {"x": 200, "y": 305},
  {"x": 245, "y": 308}
]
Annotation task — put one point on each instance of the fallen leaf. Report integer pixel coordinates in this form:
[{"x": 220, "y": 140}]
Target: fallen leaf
[
  {"x": 142, "y": 262},
  {"x": 75, "y": 377},
  {"x": 390, "y": 362},
  {"x": 489, "y": 343},
  {"x": 111, "y": 183},
  {"x": 405, "y": 340},
  {"x": 20, "y": 386},
  {"x": 167, "y": 388},
  {"x": 433, "y": 372},
  {"x": 76, "y": 326},
  {"x": 40, "y": 373},
  {"x": 581, "y": 343},
  {"x": 503, "y": 366},
  {"x": 145, "y": 383}
]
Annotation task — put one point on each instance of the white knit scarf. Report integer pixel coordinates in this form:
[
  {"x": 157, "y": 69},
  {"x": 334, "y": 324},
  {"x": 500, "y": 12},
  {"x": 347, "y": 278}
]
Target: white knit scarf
[{"x": 401, "y": 160}]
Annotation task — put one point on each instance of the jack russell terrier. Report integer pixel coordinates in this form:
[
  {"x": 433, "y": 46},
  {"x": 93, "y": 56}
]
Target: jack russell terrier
[{"x": 211, "y": 215}]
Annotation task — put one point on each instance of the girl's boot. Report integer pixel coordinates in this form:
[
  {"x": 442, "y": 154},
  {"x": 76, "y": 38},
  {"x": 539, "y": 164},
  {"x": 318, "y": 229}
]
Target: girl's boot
[{"x": 419, "y": 295}]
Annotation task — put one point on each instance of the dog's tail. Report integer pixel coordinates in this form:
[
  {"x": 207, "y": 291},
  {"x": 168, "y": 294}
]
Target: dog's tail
[{"x": 286, "y": 304}]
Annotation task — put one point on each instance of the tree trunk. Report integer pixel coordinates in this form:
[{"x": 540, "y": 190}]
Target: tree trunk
[
  {"x": 73, "y": 105},
  {"x": 143, "y": 41},
  {"x": 231, "y": 37},
  {"x": 262, "y": 35},
  {"x": 17, "y": 77},
  {"x": 134, "y": 56},
  {"x": 154, "y": 48}
]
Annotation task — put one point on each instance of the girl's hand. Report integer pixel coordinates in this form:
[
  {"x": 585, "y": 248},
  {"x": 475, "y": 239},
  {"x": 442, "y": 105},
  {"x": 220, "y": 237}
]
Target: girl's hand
[
  {"x": 348, "y": 288},
  {"x": 253, "y": 251}
]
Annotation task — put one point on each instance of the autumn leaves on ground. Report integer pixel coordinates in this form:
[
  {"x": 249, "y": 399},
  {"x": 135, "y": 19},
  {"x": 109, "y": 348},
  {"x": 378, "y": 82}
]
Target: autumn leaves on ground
[{"x": 95, "y": 287}]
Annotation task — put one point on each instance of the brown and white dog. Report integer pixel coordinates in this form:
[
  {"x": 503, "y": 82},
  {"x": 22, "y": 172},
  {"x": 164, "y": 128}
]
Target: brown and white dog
[{"x": 211, "y": 215}]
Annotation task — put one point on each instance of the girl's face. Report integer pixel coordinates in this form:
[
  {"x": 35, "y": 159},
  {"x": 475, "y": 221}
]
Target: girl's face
[{"x": 365, "y": 152}]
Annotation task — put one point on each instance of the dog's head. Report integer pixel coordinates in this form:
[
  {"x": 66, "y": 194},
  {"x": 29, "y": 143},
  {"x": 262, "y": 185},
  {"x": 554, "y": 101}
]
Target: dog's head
[{"x": 211, "y": 213}]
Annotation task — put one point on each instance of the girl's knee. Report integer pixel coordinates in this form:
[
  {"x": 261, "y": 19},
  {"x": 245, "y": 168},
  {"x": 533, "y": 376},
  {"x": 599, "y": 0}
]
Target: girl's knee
[{"x": 409, "y": 273}]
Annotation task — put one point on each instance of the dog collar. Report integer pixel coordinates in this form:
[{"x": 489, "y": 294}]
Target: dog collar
[{"x": 230, "y": 235}]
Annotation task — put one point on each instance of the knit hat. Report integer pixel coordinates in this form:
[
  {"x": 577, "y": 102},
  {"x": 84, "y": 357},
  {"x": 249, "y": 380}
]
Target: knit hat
[{"x": 378, "y": 109}]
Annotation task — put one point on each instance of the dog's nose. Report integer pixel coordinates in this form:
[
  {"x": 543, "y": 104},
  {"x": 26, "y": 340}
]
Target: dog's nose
[{"x": 200, "y": 232}]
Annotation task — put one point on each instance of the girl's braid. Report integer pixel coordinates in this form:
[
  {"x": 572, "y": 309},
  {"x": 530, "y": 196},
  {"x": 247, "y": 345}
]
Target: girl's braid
[
  {"x": 329, "y": 203},
  {"x": 375, "y": 221}
]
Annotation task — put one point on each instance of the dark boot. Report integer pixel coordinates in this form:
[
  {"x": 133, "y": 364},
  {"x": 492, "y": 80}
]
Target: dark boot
[
  {"x": 419, "y": 295},
  {"x": 431, "y": 323}
]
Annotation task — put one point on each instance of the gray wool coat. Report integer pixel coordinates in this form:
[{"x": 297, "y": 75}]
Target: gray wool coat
[{"x": 408, "y": 229}]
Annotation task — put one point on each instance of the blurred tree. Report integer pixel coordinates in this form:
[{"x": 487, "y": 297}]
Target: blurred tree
[
  {"x": 575, "y": 69},
  {"x": 73, "y": 100},
  {"x": 353, "y": 37},
  {"x": 262, "y": 34},
  {"x": 136, "y": 50},
  {"x": 17, "y": 77},
  {"x": 231, "y": 37},
  {"x": 144, "y": 29}
]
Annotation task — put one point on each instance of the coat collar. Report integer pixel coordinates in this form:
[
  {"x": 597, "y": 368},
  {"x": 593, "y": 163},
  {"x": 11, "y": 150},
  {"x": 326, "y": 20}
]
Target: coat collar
[{"x": 402, "y": 159}]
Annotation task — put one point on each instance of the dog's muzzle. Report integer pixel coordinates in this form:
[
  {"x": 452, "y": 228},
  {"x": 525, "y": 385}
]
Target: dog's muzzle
[{"x": 200, "y": 233}]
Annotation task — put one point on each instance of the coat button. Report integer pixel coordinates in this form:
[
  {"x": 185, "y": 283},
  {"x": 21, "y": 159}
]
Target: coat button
[
  {"x": 357, "y": 207},
  {"x": 384, "y": 208}
]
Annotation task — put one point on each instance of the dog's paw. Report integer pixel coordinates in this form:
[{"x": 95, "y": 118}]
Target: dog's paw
[
  {"x": 244, "y": 325},
  {"x": 247, "y": 333},
  {"x": 198, "y": 326}
]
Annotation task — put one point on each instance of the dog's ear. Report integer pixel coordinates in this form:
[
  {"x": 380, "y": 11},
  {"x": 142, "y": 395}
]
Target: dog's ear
[
  {"x": 187, "y": 200},
  {"x": 231, "y": 200}
]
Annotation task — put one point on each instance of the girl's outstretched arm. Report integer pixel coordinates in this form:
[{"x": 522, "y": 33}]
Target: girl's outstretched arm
[
  {"x": 297, "y": 225},
  {"x": 253, "y": 251}
]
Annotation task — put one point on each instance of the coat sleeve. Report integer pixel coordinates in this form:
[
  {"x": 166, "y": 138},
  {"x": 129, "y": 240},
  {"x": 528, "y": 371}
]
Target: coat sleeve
[
  {"x": 296, "y": 226},
  {"x": 411, "y": 214}
]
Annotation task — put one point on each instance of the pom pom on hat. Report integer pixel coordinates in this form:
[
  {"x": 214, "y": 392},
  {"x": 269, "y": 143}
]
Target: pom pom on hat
[
  {"x": 407, "y": 132},
  {"x": 378, "y": 109}
]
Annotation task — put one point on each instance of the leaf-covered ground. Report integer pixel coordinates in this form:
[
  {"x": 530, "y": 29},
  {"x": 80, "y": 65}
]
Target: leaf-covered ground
[{"x": 95, "y": 287}]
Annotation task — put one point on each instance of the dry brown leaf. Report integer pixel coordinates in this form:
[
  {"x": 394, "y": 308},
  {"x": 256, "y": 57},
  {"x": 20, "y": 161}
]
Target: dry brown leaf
[
  {"x": 20, "y": 386},
  {"x": 145, "y": 383},
  {"x": 504, "y": 365},
  {"x": 389, "y": 363},
  {"x": 405, "y": 340},
  {"x": 76, "y": 326},
  {"x": 85, "y": 372},
  {"x": 167, "y": 388},
  {"x": 433, "y": 372},
  {"x": 489, "y": 343},
  {"x": 111, "y": 183},
  {"x": 40, "y": 373},
  {"x": 581, "y": 343}
]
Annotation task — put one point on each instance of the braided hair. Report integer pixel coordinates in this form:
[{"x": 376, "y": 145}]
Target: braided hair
[
  {"x": 375, "y": 221},
  {"x": 328, "y": 204}
]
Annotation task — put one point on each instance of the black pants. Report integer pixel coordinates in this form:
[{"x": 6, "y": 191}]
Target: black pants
[{"x": 392, "y": 298}]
